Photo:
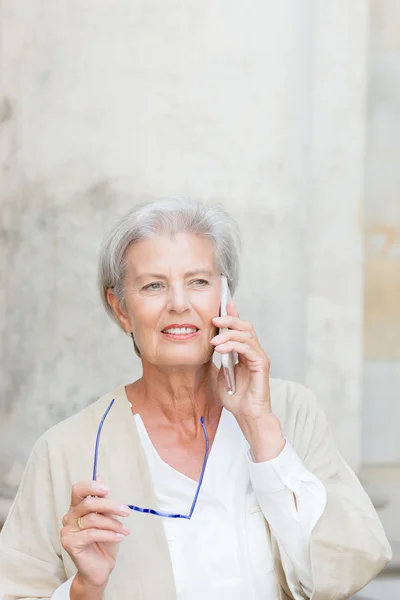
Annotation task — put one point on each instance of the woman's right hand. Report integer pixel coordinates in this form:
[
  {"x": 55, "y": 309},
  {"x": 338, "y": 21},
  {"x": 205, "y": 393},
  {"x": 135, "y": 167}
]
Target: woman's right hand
[{"x": 91, "y": 532}]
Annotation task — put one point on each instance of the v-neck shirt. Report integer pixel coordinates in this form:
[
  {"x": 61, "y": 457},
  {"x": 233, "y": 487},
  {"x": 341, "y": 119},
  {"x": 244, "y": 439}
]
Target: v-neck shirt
[{"x": 224, "y": 550}]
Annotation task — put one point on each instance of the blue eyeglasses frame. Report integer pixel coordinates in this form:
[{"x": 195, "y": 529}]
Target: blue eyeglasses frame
[{"x": 151, "y": 511}]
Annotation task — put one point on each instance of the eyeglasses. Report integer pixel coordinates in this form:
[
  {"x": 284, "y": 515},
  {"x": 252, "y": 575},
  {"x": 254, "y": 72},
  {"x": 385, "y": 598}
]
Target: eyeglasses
[{"x": 151, "y": 511}]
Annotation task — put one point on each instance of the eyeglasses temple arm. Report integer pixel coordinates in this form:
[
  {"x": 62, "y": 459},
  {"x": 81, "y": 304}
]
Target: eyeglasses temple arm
[
  {"x": 202, "y": 470},
  {"x": 96, "y": 449}
]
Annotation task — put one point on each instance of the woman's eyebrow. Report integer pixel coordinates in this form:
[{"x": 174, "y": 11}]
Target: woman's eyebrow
[
  {"x": 191, "y": 273},
  {"x": 152, "y": 275},
  {"x": 198, "y": 271}
]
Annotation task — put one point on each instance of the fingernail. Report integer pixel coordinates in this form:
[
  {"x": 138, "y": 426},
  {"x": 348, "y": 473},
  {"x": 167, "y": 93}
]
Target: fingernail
[
  {"x": 125, "y": 509},
  {"x": 119, "y": 537},
  {"x": 101, "y": 487},
  {"x": 126, "y": 532},
  {"x": 217, "y": 318}
]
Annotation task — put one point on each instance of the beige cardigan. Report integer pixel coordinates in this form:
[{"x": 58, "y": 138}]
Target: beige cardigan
[{"x": 348, "y": 544}]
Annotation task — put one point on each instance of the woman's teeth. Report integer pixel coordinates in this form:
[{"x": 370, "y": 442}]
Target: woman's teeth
[{"x": 180, "y": 330}]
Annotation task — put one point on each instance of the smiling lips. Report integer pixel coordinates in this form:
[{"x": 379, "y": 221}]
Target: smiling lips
[{"x": 180, "y": 332}]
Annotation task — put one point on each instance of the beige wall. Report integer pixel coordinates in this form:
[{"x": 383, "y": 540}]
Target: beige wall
[
  {"x": 107, "y": 103},
  {"x": 382, "y": 197},
  {"x": 381, "y": 406}
]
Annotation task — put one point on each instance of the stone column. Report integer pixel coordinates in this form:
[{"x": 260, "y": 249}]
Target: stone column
[
  {"x": 335, "y": 257},
  {"x": 381, "y": 411}
]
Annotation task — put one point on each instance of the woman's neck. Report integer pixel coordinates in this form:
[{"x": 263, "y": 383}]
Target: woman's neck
[{"x": 176, "y": 394}]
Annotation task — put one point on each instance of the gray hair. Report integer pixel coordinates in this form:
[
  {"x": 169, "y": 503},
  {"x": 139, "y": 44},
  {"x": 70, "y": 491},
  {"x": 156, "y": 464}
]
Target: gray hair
[{"x": 169, "y": 216}]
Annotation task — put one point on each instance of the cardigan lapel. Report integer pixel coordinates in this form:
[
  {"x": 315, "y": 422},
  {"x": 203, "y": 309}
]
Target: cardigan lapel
[{"x": 143, "y": 570}]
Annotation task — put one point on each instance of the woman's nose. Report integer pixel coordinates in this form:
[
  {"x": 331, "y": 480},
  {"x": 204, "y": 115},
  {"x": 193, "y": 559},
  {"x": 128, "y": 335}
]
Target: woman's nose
[{"x": 178, "y": 300}]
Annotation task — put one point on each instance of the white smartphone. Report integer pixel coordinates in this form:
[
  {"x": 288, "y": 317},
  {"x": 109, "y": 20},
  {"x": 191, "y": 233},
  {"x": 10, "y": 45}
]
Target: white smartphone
[{"x": 228, "y": 360}]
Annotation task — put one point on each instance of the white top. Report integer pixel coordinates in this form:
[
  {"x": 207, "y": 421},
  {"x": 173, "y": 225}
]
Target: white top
[{"x": 224, "y": 552}]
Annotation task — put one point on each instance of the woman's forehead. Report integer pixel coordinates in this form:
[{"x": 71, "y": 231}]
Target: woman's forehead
[{"x": 184, "y": 253}]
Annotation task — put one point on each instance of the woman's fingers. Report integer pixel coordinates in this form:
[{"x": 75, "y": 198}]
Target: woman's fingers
[
  {"x": 231, "y": 309},
  {"x": 240, "y": 347},
  {"x": 231, "y": 334},
  {"x": 232, "y": 322},
  {"x": 94, "y": 526},
  {"x": 246, "y": 337},
  {"x": 99, "y": 535},
  {"x": 98, "y": 521},
  {"x": 75, "y": 542},
  {"x": 89, "y": 498},
  {"x": 244, "y": 350},
  {"x": 100, "y": 505},
  {"x": 82, "y": 489},
  {"x": 91, "y": 531}
]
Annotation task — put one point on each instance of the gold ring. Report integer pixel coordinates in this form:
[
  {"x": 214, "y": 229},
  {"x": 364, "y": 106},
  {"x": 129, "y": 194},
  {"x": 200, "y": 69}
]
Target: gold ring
[{"x": 79, "y": 522}]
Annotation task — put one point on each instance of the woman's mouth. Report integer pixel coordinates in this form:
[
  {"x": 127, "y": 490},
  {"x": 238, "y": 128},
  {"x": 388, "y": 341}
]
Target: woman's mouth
[{"x": 180, "y": 333}]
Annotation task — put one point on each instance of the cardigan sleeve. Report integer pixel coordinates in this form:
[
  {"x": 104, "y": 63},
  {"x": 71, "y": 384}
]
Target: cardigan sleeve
[
  {"x": 277, "y": 483},
  {"x": 31, "y": 566},
  {"x": 348, "y": 544}
]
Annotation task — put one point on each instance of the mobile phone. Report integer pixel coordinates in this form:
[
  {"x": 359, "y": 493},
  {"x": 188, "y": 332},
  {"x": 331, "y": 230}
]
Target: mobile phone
[{"x": 228, "y": 360}]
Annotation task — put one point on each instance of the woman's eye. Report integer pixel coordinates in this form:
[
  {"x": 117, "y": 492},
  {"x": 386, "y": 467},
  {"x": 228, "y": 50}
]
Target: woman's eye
[
  {"x": 153, "y": 287},
  {"x": 200, "y": 282}
]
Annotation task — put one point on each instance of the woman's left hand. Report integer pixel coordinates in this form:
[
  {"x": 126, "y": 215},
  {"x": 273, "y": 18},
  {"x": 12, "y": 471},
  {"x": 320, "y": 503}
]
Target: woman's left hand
[{"x": 251, "y": 403}]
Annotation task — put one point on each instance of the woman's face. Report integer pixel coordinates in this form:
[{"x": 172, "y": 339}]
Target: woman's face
[{"x": 172, "y": 292}]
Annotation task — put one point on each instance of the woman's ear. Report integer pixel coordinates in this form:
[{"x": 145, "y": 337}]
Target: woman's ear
[{"x": 115, "y": 304}]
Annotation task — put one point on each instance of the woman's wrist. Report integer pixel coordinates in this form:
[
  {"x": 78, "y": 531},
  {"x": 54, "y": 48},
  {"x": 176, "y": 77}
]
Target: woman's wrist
[
  {"x": 264, "y": 435},
  {"x": 82, "y": 590}
]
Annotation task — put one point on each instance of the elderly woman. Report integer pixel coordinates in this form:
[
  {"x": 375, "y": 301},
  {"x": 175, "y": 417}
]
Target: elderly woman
[{"x": 203, "y": 494}]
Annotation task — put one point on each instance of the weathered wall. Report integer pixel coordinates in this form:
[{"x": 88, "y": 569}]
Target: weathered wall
[
  {"x": 108, "y": 103},
  {"x": 381, "y": 407}
]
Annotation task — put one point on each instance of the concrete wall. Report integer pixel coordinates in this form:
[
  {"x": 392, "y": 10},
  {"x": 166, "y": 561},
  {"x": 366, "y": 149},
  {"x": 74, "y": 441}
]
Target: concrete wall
[
  {"x": 107, "y": 103},
  {"x": 381, "y": 407}
]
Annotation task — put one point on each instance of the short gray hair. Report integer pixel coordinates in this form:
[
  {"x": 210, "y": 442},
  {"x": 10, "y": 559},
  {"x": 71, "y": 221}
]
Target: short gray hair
[{"x": 169, "y": 216}]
